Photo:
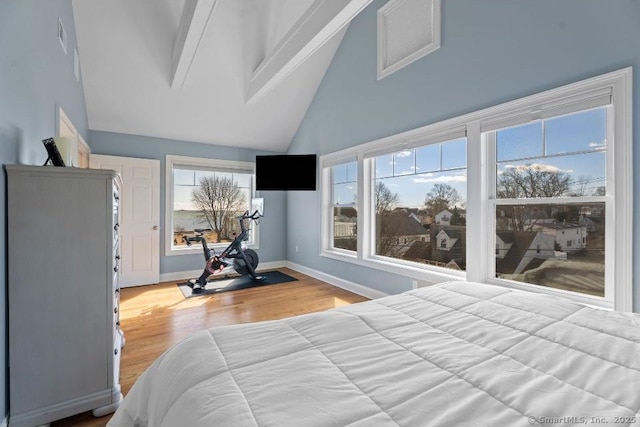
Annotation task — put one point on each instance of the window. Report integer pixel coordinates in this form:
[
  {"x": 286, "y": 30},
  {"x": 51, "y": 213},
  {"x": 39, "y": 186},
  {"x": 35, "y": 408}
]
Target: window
[
  {"x": 556, "y": 158},
  {"x": 344, "y": 190},
  {"x": 542, "y": 202},
  {"x": 420, "y": 193},
  {"x": 205, "y": 194}
]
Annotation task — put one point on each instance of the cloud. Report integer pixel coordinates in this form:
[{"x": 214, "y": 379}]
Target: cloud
[
  {"x": 430, "y": 178},
  {"x": 405, "y": 153},
  {"x": 537, "y": 167}
]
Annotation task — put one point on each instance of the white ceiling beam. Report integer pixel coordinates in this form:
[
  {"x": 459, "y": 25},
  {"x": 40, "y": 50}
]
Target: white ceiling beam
[
  {"x": 320, "y": 22},
  {"x": 195, "y": 18}
]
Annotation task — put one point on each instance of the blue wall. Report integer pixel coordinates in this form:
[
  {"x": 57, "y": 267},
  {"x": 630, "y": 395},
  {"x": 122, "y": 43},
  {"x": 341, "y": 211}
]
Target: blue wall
[
  {"x": 36, "y": 77},
  {"x": 272, "y": 226},
  {"x": 492, "y": 51}
]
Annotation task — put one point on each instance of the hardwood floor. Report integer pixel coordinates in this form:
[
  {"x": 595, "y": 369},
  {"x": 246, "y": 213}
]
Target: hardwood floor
[{"x": 156, "y": 317}]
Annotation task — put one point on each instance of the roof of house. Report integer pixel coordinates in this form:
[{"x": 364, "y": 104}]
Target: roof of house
[
  {"x": 403, "y": 224},
  {"x": 418, "y": 250},
  {"x": 453, "y": 233},
  {"x": 521, "y": 243}
]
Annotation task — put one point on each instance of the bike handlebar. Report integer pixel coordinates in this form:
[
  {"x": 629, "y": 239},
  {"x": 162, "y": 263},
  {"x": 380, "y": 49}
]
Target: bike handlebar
[{"x": 254, "y": 215}]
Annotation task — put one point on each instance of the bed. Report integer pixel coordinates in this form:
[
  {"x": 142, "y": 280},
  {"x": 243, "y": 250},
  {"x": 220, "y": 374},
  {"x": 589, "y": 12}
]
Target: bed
[{"x": 454, "y": 354}]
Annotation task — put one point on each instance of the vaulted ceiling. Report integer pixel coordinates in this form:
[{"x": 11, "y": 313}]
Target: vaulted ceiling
[{"x": 229, "y": 72}]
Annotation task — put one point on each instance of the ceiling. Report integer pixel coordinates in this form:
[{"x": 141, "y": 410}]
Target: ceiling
[{"x": 238, "y": 73}]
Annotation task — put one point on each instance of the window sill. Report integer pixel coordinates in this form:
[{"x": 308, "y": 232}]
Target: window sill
[
  {"x": 584, "y": 299},
  {"x": 413, "y": 271}
]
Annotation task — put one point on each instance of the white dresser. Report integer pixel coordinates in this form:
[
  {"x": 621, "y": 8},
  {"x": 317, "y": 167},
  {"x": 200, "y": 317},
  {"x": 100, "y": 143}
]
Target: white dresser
[{"x": 63, "y": 295}]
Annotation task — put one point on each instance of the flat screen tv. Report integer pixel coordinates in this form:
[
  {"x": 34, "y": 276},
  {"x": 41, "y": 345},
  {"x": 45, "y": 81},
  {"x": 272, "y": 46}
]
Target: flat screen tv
[{"x": 296, "y": 172}]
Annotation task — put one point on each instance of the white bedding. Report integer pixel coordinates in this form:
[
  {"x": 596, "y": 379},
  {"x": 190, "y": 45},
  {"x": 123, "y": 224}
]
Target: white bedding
[{"x": 456, "y": 354}]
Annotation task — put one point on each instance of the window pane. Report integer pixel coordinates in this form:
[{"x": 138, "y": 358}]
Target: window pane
[
  {"x": 384, "y": 165},
  {"x": 454, "y": 154},
  {"x": 183, "y": 177},
  {"x": 344, "y": 228},
  {"x": 403, "y": 163},
  {"x": 227, "y": 196},
  {"x": 352, "y": 172},
  {"x": 428, "y": 158},
  {"x": 345, "y": 194},
  {"x": 243, "y": 179},
  {"x": 421, "y": 217},
  {"x": 558, "y": 246},
  {"x": 520, "y": 142},
  {"x": 204, "y": 174},
  {"x": 585, "y": 131},
  {"x": 561, "y": 176},
  {"x": 345, "y": 183},
  {"x": 339, "y": 174}
]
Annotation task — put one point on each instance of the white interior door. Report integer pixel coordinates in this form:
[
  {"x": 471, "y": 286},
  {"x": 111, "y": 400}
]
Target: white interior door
[{"x": 140, "y": 217}]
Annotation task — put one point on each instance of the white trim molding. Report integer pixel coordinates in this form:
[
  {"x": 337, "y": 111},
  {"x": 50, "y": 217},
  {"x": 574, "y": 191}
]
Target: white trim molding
[
  {"x": 322, "y": 20},
  {"x": 356, "y": 288},
  {"x": 407, "y": 31},
  {"x": 195, "y": 19}
]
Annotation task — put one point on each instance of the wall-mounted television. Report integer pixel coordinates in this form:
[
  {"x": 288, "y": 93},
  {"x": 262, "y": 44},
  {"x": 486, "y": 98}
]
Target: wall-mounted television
[{"x": 295, "y": 172}]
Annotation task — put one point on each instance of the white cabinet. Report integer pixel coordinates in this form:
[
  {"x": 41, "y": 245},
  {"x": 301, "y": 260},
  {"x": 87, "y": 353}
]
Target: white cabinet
[{"x": 63, "y": 294}]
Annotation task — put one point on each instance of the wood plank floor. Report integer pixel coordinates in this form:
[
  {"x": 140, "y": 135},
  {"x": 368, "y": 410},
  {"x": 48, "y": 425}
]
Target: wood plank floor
[{"x": 154, "y": 318}]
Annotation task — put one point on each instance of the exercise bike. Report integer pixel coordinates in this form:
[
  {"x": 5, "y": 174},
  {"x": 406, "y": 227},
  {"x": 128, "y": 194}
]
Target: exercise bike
[{"x": 235, "y": 257}]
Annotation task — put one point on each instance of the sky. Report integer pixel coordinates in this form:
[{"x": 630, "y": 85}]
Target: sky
[
  {"x": 185, "y": 180},
  {"x": 574, "y": 144}
]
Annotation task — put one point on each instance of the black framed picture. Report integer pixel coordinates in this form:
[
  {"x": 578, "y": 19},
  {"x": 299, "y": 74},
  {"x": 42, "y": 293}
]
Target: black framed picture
[{"x": 52, "y": 150}]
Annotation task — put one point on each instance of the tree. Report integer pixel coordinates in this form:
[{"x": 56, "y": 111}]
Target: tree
[
  {"x": 457, "y": 218},
  {"x": 387, "y": 230},
  {"x": 386, "y": 201},
  {"x": 441, "y": 197},
  {"x": 529, "y": 181},
  {"x": 218, "y": 198}
]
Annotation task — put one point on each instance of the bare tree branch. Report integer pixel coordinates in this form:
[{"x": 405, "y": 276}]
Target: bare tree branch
[{"x": 218, "y": 198}]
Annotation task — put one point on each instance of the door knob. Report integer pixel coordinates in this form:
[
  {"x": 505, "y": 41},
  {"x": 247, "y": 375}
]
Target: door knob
[{"x": 155, "y": 227}]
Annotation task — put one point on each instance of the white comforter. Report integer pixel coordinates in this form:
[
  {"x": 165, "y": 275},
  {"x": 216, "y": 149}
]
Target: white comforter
[{"x": 457, "y": 354}]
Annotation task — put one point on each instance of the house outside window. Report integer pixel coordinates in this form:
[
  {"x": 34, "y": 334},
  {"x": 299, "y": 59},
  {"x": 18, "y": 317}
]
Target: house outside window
[
  {"x": 206, "y": 194},
  {"x": 536, "y": 170}
]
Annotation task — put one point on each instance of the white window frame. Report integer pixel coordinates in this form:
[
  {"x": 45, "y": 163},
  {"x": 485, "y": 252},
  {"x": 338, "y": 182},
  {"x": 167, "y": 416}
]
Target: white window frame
[
  {"x": 172, "y": 161},
  {"x": 617, "y": 86}
]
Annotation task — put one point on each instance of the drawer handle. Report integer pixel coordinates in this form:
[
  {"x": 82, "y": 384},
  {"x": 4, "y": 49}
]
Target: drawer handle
[
  {"x": 115, "y": 269},
  {"x": 115, "y": 351},
  {"x": 116, "y": 227},
  {"x": 115, "y": 310}
]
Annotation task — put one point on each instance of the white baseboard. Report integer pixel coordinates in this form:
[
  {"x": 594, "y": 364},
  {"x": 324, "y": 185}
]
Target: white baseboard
[
  {"x": 356, "y": 288},
  {"x": 184, "y": 275}
]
